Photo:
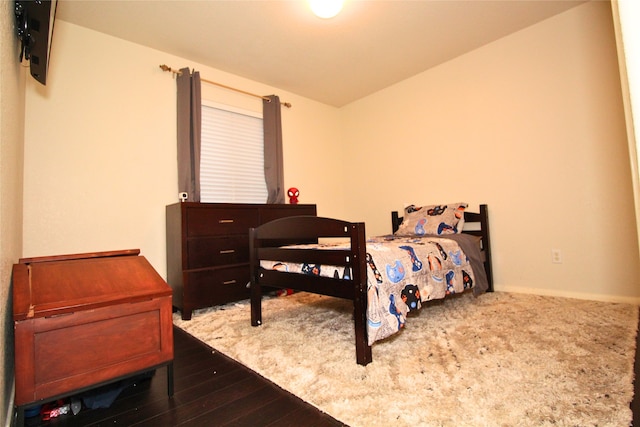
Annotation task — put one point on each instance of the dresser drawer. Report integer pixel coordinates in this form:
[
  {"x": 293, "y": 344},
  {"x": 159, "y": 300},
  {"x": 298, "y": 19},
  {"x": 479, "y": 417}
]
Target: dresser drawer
[
  {"x": 218, "y": 221},
  {"x": 214, "y": 251},
  {"x": 217, "y": 286}
]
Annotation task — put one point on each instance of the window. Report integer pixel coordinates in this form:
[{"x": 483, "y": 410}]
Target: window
[{"x": 232, "y": 156}]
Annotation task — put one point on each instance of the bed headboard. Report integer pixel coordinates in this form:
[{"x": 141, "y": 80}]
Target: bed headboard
[{"x": 475, "y": 223}]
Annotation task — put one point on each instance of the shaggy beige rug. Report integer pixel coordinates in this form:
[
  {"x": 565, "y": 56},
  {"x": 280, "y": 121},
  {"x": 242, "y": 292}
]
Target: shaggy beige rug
[{"x": 501, "y": 359}]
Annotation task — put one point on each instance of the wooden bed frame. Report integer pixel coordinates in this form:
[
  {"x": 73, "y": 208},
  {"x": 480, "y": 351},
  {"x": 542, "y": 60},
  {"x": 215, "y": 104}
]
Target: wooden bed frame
[{"x": 267, "y": 240}]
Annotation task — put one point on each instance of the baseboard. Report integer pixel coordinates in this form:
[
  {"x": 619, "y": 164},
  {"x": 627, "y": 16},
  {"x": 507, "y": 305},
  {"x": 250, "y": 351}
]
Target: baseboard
[{"x": 570, "y": 294}]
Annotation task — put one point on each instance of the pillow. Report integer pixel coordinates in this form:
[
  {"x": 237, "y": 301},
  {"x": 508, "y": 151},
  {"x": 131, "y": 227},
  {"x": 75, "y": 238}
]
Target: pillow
[{"x": 432, "y": 219}]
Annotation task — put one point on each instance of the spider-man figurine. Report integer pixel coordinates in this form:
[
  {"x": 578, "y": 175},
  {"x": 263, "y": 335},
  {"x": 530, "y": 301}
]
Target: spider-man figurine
[{"x": 293, "y": 194}]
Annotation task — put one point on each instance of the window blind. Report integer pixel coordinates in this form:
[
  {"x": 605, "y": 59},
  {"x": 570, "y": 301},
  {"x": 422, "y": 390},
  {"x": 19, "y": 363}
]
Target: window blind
[{"x": 232, "y": 156}]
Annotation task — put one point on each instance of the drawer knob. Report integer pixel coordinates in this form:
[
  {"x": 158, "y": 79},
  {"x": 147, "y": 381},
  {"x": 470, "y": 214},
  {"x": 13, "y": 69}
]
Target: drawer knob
[
  {"x": 229, "y": 282},
  {"x": 225, "y": 221},
  {"x": 227, "y": 251}
]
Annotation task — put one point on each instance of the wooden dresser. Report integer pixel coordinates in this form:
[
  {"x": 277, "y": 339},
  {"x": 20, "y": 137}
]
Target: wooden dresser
[
  {"x": 85, "y": 320},
  {"x": 208, "y": 249}
]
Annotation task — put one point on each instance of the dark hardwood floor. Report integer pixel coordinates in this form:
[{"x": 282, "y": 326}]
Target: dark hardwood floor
[
  {"x": 213, "y": 390},
  {"x": 210, "y": 389}
]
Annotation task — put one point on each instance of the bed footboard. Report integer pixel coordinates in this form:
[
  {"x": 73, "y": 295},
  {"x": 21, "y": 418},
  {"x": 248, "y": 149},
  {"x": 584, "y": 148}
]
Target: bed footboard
[{"x": 272, "y": 241}]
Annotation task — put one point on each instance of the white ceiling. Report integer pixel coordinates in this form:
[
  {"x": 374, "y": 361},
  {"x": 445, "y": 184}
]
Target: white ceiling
[{"x": 372, "y": 44}]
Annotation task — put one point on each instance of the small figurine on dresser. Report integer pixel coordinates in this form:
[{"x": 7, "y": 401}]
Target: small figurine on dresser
[{"x": 293, "y": 194}]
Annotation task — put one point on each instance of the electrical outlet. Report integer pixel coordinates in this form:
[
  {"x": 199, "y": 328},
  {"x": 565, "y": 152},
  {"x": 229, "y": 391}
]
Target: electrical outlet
[{"x": 556, "y": 256}]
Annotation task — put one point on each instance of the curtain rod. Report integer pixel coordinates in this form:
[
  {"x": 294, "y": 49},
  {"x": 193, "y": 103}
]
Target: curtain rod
[{"x": 178, "y": 72}]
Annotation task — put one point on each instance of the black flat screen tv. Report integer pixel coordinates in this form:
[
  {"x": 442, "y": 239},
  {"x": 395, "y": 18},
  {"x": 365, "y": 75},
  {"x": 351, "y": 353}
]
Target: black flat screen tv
[{"x": 34, "y": 26}]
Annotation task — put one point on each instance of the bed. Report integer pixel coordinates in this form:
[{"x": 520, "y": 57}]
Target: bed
[{"x": 434, "y": 251}]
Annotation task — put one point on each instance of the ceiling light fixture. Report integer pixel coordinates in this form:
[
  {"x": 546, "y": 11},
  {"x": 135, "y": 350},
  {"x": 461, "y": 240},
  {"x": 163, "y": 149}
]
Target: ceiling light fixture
[{"x": 326, "y": 8}]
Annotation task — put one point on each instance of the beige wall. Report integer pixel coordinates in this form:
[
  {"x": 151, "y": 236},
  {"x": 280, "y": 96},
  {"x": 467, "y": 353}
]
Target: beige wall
[
  {"x": 100, "y": 146},
  {"x": 531, "y": 124},
  {"x": 12, "y": 83}
]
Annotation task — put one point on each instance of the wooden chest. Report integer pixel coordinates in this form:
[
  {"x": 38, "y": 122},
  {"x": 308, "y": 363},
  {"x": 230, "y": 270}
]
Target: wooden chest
[
  {"x": 83, "y": 320},
  {"x": 208, "y": 249}
]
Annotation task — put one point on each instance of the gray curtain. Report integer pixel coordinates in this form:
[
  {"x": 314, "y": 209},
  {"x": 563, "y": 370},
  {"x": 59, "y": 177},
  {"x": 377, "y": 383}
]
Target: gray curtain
[
  {"x": 273, "y": 167},
  {"x": 189, "y": 133}
]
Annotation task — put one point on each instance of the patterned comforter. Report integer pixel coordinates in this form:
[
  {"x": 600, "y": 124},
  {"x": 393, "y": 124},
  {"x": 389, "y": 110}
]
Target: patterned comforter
[{"x": 402, "y": 273}]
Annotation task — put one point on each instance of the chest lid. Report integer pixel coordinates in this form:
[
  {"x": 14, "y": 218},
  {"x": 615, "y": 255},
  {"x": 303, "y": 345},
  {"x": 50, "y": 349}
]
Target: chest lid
[{"x": 54, "y": 285}]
